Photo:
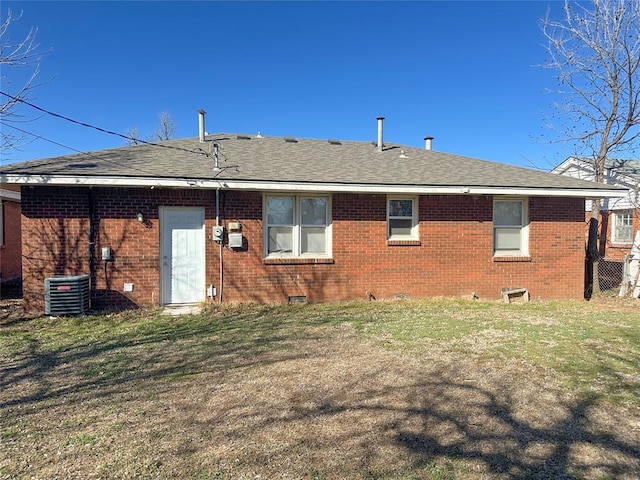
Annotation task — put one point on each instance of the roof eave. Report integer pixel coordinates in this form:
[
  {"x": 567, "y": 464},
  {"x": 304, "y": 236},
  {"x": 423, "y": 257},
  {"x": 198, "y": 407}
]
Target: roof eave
[
  {"x": 9, "y": 195},
  {"x": 229, "y": 184}
]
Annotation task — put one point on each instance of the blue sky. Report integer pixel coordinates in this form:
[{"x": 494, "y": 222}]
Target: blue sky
[{"x": 462, "y": 72}]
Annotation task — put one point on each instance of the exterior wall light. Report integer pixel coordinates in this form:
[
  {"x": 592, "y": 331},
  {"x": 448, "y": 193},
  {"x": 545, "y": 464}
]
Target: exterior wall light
[{"x": 140, "y": 217}]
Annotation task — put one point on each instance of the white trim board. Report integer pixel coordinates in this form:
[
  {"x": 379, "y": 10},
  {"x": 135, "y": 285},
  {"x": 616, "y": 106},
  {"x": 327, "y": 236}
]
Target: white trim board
[{"x": 209, "y": 184}]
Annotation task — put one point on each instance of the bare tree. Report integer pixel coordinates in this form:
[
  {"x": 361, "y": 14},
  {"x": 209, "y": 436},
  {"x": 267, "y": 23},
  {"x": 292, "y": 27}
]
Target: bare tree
[
  {"x": 595, "y": 52},
  {"x": 164, "y": 131},
  {"x": 25, "y": 54},
  {"x": 166, "y": 128},
  {"x": 134, "y": 136}
]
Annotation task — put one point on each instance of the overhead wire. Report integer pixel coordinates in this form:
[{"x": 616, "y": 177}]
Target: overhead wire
[
  {"x": 103, "y": 130},
  {"x": 88, "y": 154},
  {"x": 40, "y": 137}
]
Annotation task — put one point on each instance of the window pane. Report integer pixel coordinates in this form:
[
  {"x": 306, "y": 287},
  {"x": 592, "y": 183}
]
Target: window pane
[
  {"x": 400, "y": 208},
  {"x": 623, "y": 223},
  {"x": 507, "y": 239},
  {"x": 623, "y": 234},
  {"x": 314, "y": 211},
  {"x": 400, "y": 227},
  {"x": 280, "y": 210},
  {"x": 313, "y": 240},
  {"x": 507, "y": 213},
  {"x": 280, "y": 239}
]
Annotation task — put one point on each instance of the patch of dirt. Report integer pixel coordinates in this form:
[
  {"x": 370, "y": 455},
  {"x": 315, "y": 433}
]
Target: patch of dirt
[
  {"x": 604, "y": 302},
  {"x": 10, "y": 310},
  {"x": 10, "y": 302}
]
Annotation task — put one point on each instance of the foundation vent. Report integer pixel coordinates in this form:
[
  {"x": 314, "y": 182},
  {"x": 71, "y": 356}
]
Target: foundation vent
[{"x": 298, "y": 299}]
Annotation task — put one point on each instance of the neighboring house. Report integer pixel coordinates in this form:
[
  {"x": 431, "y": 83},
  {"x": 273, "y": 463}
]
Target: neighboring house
[
  {"x": 10, "y": 244},
  {"x": 311, "y": 220},
  {"x": 619, "y": 217}
]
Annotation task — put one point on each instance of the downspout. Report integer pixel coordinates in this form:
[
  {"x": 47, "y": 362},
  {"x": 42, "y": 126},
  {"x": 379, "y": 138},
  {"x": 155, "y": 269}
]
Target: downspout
[
  {"x": 220, "y": 244},
  {"x": 92, "y": 237}
]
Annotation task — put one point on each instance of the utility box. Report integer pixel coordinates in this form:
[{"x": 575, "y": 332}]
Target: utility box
[
  {"x": 235, "y": 240},
  {"x": 67, "y": 295},
  {"x": 217, "y": 233}
]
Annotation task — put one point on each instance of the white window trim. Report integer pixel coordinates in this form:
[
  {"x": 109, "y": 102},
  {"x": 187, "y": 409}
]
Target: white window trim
[
  {"x": 616, "y": 215},
  {"x": 524, "y": 228},
  {"x": 297, "y": 228},
  {"x": 414, "y": 235}
]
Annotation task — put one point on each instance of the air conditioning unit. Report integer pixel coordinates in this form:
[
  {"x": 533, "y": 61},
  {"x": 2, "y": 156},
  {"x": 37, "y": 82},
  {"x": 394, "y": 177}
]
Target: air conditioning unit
[{"x": 67, "y": 295}]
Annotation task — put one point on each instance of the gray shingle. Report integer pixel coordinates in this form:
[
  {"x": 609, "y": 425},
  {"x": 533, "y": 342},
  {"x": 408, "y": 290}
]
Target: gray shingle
[{"x": 272, "y": 159}]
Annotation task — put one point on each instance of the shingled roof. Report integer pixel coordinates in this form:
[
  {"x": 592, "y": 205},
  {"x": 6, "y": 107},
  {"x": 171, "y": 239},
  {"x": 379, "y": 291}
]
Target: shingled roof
[{"x": 268, "y": 163}]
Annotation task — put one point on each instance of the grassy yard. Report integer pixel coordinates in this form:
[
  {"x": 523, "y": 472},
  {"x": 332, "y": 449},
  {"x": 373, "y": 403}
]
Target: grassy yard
[{"x": 438, "y": 389}]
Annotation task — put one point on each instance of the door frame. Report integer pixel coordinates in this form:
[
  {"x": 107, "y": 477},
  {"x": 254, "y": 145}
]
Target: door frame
[{"x": 163, "y": 267}]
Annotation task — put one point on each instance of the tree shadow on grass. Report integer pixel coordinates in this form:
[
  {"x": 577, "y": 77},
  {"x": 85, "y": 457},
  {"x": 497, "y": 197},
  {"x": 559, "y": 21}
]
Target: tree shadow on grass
[
  {"x": 485, "y": 428},
  {"x": 435, "y": 420},
  {"x": 423, "y": 414},
  {"x": 111, "y": 363}
]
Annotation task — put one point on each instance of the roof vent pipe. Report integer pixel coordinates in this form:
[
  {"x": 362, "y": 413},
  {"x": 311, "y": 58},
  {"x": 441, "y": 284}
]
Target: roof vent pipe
[
  {"x": 201, "y": 124},
  {"x": 380, "y": 143},
  {"x": 428, "y": 141}
]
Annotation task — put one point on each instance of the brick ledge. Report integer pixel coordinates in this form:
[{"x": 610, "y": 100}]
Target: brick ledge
[
  {"x": 400, "y": 243},
  {"x": 297, "y": 261},
  {"x": 512, "y": 259}
]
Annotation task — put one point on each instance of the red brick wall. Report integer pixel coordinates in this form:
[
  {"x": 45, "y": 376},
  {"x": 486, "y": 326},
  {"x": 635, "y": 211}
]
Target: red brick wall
[
  {"x": 454, "y": 255},
  {"x": 10, "y": 250},
  {"x": 608, "y": 248}
]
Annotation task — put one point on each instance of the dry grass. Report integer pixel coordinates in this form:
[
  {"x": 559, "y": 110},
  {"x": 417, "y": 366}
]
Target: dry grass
[{"x": 401, "y": 390}]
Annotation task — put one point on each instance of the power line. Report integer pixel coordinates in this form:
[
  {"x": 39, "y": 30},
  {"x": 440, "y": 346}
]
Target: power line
[
  {"x": 100, "y": 129},
  {"x": 40, "y": 137},
  {"x": 89, "y": 154}
]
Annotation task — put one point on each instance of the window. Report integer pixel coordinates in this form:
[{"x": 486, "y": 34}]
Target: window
[
  {"x": 1, "y": 223},
  {"x": 510, "y": 234},
  {"x": 622, "y": 226},
  {"x": 297, "y": 226},
  {"x": 402, "y": 218}
]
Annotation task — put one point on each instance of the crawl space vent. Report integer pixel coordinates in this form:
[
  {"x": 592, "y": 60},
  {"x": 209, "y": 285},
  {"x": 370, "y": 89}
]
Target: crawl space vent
[
  {"x": 298, "y": 299},
  {"x": 67, "y": 295}
]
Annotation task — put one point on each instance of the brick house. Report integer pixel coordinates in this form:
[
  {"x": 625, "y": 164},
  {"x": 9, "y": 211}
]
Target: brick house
[
  {"x": 619, "y": 217},
  {"x": 10, "y": 242},
  {"x": 236, "y": 218}
]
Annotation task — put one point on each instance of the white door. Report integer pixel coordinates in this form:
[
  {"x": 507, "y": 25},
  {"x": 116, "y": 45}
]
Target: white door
[{"x": 182, "y": 255}]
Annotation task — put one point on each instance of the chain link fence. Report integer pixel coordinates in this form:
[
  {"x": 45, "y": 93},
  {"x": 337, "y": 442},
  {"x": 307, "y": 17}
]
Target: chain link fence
[{"x": 613, "y": 273}]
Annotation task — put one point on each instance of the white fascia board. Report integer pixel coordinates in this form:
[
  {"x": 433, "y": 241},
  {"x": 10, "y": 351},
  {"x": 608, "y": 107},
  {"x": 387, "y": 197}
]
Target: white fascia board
[
  {"x": 229, "y": 184},
  {"x": 9, "y": 195},
  {"x": 576, "y": 168},
  {"x": 424, "y": 190},
  {"x": 562, "y": 167},
  {"x": 71, "y": 181}
]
